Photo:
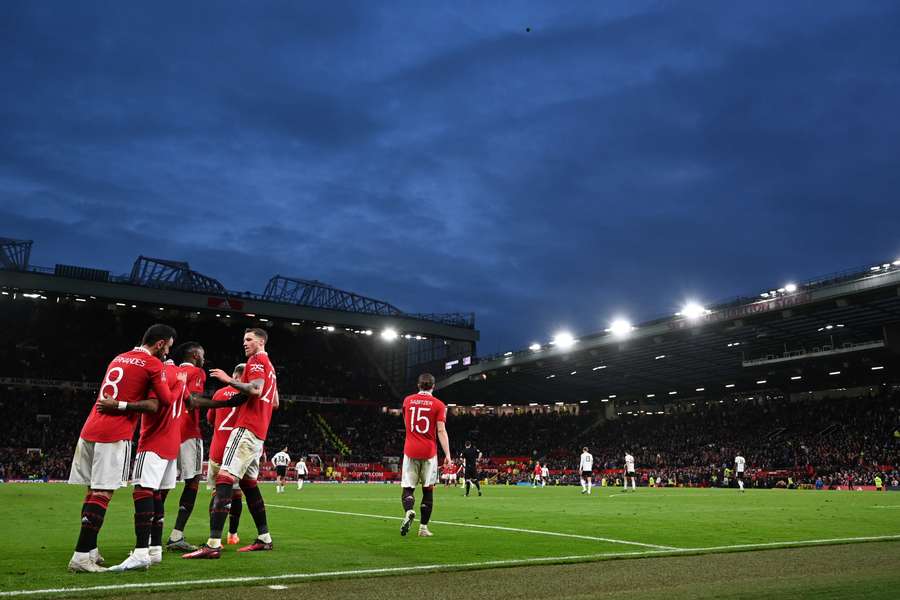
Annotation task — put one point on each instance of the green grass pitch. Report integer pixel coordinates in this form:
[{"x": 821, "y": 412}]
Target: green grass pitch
[{"x": 341, "y": 532}]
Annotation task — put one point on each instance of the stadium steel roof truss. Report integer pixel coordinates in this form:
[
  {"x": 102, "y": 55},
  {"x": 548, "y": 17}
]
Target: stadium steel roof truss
[
  {"x": 321, "y": 295},
  {"x": 158, "y": 272},
  {"x": 664, "y": 356},
  {"x": 14, "y": 254}
]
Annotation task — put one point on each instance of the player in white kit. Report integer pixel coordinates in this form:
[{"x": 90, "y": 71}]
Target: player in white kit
[
  {"x": 586, "y": 468},
  {"x": 629, "y": 472},
  {"x": 739, "y": 463},
  {"x": 281, "y": 461},
  {"x": 302, "y": 472},
  {"x": 545, "y": 473}
]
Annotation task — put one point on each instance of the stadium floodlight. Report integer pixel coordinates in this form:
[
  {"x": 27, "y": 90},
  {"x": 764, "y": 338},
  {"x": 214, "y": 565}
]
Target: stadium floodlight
[
  {"x": 875, "y": 268},
  {"x": 558, "y": 403},
  {"x": 582, "y": 402},
  {"x": 672, "y": 393},
  {"x": 796, "y": 378},
  {"x": 730, "y": 385},
  {"x": 693, "y": 310},
  {"x": 551, "y": 376},
  {"x": 886, "y": 266},
  {"x": 604, "y": 400},
  {"x": 611, "y": 396},
  {"x": 534, "y": 347},
  {"x": 563, "y": 340},
  {"x": 760, "y": 382},
  {"x": 573, "y": 372},
  {"x": 790, "y": 288},
  {"x": 620, "y": 327},
  {"x": 329, "y": 328},
  {"x": 700, "y": 390},
  {"x": 877, "y": 368},
  {"x": 532, "y": 404},
  {"x": 651, "y": 395},
  {"x": 479, "y": 406},
  {"x": 834, "y": 373},
  {"x": 451, "y": 406},
  {"x": 896, "y": 263},
  {"x": 507, "y": 354},
  {"x": 389, "y": 335},
  {"x": 76, "y": 299},
  {"x": 598, "y": 367}
]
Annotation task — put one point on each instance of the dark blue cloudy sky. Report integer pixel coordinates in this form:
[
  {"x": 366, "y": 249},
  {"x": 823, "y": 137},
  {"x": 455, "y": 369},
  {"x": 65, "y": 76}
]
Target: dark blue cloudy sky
[{"x": 619, "y": 158}]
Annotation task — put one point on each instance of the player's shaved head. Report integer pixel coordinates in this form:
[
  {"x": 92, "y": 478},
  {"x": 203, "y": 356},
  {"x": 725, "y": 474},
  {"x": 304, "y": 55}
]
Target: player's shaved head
[
  {"x": 239, "y": 369},
  {"x": 426, "y": 381}
]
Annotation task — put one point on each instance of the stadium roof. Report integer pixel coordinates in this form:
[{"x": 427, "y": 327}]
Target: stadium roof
[
  {"x": 174, "y": 283},
  {"x": 839, "y": 331}
]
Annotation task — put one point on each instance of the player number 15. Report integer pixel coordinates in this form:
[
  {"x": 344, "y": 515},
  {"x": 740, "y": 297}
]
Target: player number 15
[{"x": 416, "y": 417}]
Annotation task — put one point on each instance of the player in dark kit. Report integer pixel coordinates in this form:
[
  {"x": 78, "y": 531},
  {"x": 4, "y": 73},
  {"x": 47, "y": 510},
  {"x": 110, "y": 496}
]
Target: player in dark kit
[{"x": 471, "y": 455}]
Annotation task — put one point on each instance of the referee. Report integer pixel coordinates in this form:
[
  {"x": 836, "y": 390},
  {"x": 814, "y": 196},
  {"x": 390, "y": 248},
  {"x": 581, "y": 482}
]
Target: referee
[{"x": 471, "y": 455}]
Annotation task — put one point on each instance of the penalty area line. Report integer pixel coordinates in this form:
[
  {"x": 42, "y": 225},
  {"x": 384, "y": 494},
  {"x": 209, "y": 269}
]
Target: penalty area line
[
  {"x": 590, "y": 538},
  {"x": 514, "y": 562}
]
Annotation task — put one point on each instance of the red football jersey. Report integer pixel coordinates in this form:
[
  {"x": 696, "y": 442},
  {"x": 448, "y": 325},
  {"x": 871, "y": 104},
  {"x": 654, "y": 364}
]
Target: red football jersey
[
  {"x": 161, "y": 431},
  {"x": 222, "y": 421},
  {"x": 256, "y": 413},
  {"x": 196, "y": 383},
  {"x": 421, "y": 414},
  {"x": 129, "y": 378},
  {"x": 537, "y": 470}
]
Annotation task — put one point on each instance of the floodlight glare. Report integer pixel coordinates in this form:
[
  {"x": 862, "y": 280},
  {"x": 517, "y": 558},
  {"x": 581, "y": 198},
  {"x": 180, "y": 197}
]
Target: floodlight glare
[
  {"x": 563, "y": 340},
  {"x": 620, "y": 327},
  {"x": 693, "y": 310},
  {"x": 534, "y": 347},
  {"x": 790, "y": 288},
  {"x": 389, "y": 334}
]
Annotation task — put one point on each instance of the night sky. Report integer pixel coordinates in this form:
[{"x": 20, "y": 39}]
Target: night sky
[{"x": 618, "y": 158}]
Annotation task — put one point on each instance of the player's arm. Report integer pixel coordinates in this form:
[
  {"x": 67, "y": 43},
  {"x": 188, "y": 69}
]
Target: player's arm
[
  {"x": 161, "y": 388},
  {"x": 198, "y": 401},
  {"x": 110, "y": 406},
  {"x": 250, "y": 388},
  {"x": 444, "y": 439}
]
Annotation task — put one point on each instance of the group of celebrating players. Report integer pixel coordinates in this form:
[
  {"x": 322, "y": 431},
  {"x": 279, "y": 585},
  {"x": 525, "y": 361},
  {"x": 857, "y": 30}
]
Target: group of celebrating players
[{"x": 166, "y": 399}]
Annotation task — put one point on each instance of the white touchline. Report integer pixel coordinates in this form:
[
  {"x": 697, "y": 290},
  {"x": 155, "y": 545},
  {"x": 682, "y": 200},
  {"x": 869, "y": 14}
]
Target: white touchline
[
  {"x": 437, "y": 567},
  {"x": 477, "y": 526}
]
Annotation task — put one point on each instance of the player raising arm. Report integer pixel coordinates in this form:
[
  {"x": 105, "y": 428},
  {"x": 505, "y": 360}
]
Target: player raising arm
[{"x": 258, "y": 396}]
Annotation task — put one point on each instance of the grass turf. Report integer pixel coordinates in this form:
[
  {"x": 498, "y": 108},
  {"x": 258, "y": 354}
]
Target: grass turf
[{"x": 43, "y": 522}]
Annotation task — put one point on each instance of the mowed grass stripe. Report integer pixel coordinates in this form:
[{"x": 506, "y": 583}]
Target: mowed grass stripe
[
  {"x": 480, "y": 526},
  {"x": 438, "y": 567}
]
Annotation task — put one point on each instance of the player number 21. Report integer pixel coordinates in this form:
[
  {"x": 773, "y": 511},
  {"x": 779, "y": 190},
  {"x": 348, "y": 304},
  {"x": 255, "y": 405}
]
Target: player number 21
[{"x": 416, "y": 417}]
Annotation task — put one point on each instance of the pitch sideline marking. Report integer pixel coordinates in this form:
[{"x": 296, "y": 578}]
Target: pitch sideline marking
[
  {"x": 438, "y": 567},
  {"x": 478, "y": 526}
]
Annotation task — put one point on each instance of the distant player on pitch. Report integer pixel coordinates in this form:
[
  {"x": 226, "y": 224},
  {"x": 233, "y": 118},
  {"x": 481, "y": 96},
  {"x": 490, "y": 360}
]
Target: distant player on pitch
[
  {"x": 629, "y": 473},
  {"x": 586, "y": 468},
  {"x": 536, "y": 479},
  {"x": 302, "y": 473},
  {"x": 739, "y": 463},
  {"x": 471, "y": 455},
  {"x": 424, "y": 418},
  {"x": 545, "y": 475},
  {"x": 281, "y": 461}
]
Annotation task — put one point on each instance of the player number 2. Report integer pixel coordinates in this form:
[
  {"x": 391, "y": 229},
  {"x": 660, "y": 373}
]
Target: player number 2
[
  {"x": 112, "y": 379},
  {"x": 416, "y": 417},
  {"x": 222, "y": 425}
]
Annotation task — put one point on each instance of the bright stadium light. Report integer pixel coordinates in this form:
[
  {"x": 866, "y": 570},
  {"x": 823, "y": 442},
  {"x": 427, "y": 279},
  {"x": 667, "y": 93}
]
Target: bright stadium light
[
  {"x": 389, "y": 335},
  {"x": 790, "y": 288},
  {"x": 507, "y": 354},
  {"x": 693, "y": 310},
  {"x": 796, "y": 378},
  {"x": 563, "y": 340},
  {"x": 534, "y": 347},
  {"x": 896, "y": 263},
  {"x": 620, "y": 327}
]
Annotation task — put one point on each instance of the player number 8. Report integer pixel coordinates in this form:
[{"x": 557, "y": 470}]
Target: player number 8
[{"x": 113, "y": 383}]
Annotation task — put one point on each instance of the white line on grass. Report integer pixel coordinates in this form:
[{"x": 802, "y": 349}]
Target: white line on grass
[
  {"x": 898, "y": 506},
  {"x": 478, "y": 526},
  {"x": 436, "y": 567}
]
